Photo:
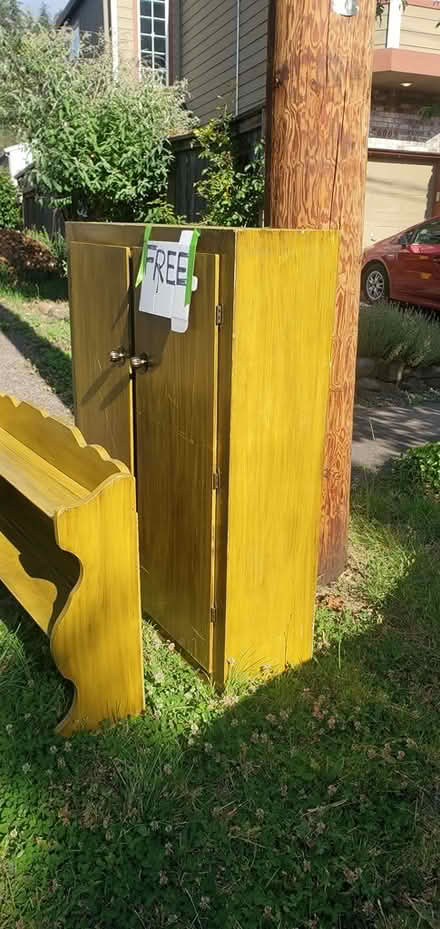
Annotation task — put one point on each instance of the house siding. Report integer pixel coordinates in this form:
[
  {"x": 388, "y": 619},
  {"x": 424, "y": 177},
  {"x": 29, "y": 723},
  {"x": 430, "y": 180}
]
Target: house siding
[
  {"x": 208, "y": 54},
  {"x": 380, "y": 38},
  {"x": 418, "y": 31},
  {"x": 128, "y": 31},
  {"x": 253, "y": 52},
  {"x": 89, "y": 17}
]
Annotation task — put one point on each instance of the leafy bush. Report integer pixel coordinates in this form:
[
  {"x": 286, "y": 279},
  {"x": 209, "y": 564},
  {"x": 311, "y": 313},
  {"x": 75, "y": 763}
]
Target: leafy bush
[
  {"x": 233, "y": 189},
  {"x": 100, "y": 146},
  {"x": 10, "y": 213},
  {"x": 392, "y": 334},
  {"x": 420, "y": 467}
]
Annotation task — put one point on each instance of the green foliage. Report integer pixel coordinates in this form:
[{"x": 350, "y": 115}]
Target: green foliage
[
  {"x": 392, "y": 334},
  {"x": 233, "y": 191},
  {"x": 100, "y": 146},
  {"x": 10, "y": 212},
  {"x": 420, "y": 467}
]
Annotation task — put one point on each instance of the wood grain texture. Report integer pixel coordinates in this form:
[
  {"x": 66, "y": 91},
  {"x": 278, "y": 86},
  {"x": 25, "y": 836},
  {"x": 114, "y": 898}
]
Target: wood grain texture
[
  {"x": 100, "y": 321},
  {"x": 283, "y": 323},
  {"x": 277, "y": 292},
  {"x": 96, "y": 641},
  {"x": 176, "y": 437},
  {"x": 217, "y": 242},
  {"x": 318, "y": 99},
  {"x": 69, "y": 554}
]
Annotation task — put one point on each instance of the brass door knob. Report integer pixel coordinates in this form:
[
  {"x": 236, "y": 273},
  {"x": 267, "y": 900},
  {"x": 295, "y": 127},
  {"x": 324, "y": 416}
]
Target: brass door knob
[
  {"x": 140, "y": 362},
  {"x": 118, "y": 356}
]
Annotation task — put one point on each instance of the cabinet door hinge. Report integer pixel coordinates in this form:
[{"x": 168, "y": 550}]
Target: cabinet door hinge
[
  {"x": 216, "y": 480},
  {"x": 218, "y": 314},
  {"x": 213, "y": 615}
]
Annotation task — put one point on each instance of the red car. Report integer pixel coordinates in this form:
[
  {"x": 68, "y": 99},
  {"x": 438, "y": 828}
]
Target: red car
[{"x": 405, "y": 267}]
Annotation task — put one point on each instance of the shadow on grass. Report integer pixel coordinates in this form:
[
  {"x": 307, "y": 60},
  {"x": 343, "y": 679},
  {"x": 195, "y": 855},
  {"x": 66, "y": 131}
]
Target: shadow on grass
[
  {"x": 52, "y": 363},
  {"x": 313, "y": 802}
]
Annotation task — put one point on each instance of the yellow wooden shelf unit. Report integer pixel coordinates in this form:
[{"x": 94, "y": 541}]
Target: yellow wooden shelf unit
[
  {"x": 224, "y": 429},
  {"x": 69, "y": 555}
]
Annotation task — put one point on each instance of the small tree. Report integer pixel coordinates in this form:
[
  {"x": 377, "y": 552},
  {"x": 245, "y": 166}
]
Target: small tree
[
  {"x": 231, "y": 185},
  {"x": 100, "y": 145}
]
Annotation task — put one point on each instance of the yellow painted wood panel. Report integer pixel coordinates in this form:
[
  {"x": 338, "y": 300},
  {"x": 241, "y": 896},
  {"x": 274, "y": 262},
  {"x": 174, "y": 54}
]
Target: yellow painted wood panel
[
  {"x": 96, "y": 640},
  {"x": 284, "y": 311},
  {"x": 32, "y": 566},
  {"x": 100, "y": 322},
  {"x": 41, "y": 483},
  {"x": 55, "y": 445},
  {"x": 176, "y": 433}
]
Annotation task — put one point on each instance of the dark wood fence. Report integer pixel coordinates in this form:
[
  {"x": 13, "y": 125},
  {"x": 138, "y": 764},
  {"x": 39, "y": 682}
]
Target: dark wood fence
[{"x": 40, "y": 215}]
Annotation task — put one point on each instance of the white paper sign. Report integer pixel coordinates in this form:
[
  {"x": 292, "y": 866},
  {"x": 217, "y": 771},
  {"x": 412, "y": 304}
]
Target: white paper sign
[{"x": 164, "y": 283}]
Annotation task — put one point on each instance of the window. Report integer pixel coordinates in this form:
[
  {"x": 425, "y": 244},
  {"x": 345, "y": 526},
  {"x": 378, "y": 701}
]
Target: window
[
  {"x": 154, "y": 35},
  {"x": 75, "y": 46},
  {"x": 429, "y": 234}
]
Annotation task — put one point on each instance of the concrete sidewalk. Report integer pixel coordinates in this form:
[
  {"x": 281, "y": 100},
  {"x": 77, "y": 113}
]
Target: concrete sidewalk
[{"x": 380, "y": 433}]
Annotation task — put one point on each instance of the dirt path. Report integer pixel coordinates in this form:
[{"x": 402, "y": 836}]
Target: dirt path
[{"x": 20, "y": 357}]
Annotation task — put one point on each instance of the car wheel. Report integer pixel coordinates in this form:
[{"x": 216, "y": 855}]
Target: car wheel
[{"x": 375, "y": 284}]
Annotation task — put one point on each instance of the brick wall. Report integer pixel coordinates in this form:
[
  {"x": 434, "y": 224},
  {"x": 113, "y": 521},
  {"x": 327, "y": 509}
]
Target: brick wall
[{"x": 398, "y": 115}]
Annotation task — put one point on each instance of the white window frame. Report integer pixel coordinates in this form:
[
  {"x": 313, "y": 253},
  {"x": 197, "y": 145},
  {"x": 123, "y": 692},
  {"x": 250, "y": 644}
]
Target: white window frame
[{"x": 164, "y": 71}]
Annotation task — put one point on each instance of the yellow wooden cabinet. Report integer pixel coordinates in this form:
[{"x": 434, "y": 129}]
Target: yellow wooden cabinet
[{"x": 224, "y": 430}]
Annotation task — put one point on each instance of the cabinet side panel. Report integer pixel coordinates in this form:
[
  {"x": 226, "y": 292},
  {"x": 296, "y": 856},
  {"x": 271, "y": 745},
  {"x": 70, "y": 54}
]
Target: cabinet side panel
[{"x": 283, "y": 324}]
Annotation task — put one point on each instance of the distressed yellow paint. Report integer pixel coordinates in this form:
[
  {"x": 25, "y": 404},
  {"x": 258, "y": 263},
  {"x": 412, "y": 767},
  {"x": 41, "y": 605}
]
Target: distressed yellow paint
[
  {"x": 263, "y": 394},
  {"x": 69, "y": 554},
  {"x": 284, "y": 309}
]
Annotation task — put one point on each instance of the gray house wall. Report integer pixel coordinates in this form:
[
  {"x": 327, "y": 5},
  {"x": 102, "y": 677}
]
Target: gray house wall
[
  {"x": 252, "y": 56},
  {"x": 89, "y": 17},
  {"x": 220, "y": 70}
]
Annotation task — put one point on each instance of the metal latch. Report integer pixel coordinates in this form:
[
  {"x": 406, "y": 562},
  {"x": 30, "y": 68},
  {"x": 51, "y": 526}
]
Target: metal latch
[{"x": 218, "y": 314}]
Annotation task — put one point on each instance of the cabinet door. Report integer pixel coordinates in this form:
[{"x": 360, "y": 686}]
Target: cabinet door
[
  {"x": 175, "y": 438},
  {"x": 101, "y": 322}
]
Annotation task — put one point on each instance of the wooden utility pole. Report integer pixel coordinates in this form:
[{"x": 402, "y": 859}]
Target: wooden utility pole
[{"x": 318, "y": 106}]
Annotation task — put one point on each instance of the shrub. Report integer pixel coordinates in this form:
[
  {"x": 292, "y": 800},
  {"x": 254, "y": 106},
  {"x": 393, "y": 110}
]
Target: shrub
[
  {"x": 10, "y": 212},
  {"x": 232, "y": 187},
  {"x": 100, "y": 145},
  {"x": 420, "y": 467},
  {"x": 392, "y": 334}
]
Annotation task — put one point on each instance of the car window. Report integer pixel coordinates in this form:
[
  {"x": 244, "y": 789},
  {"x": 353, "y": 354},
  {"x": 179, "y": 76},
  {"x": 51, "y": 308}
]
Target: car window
[
  {"x": 407, "y": 237},
  {"x": 428, "y": 235}
]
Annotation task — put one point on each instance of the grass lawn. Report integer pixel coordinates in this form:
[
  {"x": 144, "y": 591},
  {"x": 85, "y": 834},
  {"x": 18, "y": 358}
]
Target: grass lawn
[{"x": 310, "y": 800}]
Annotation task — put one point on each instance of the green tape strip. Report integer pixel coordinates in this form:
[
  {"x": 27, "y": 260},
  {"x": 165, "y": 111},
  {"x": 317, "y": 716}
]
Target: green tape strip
[
  {"x": 144, "y": 256},
  {"x": 191, "y": 259}
]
